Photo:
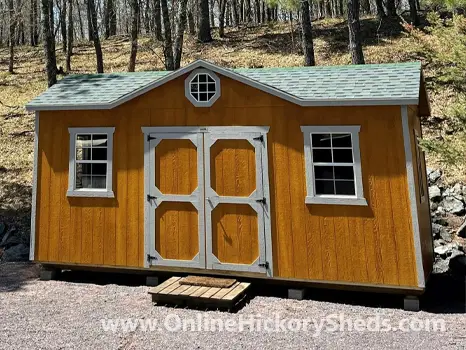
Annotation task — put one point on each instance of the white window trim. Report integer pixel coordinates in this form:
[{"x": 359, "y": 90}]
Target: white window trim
[
  {"x": 88, "y": 192},
  {"x": 311, "y": 197},
  {"x": 187, "y": 88}
]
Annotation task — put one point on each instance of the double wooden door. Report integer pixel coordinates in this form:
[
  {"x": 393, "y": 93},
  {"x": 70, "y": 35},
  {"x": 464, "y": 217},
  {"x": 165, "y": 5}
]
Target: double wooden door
[{"x": 207, "y": 198}]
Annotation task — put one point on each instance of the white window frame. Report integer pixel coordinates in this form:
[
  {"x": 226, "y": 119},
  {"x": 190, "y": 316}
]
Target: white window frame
[
  {"x": 187, "y": 88},
  {"x": 90, "y": 192},
  {"x": 312, "y": 197}
]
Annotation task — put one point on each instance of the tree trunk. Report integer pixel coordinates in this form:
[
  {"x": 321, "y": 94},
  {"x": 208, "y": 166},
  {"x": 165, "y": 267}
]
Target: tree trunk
[
  {"x": 204, "y": 35},
  {"x": 380, "y": 10},
  {"x": 146, "y": 16},
  {"x": 191, "y": 23},
  {"x": 49, "y": 42},
  {"x": 81, "y": 26},
  {"x": 32, "y": 22},
  {"x": 366, "y": 6},
  {"x": 257, "y": 10},
  {"x": 134, "y": 35},
  {"x": 211, "y": 14},
  {"x": 413, "y": 13},
  {"x": 355, "y": 45},
  {"x": 391, "y": 8},
  {"x": 248, "y": 11},
  {"x": 63, "y": 24},
  {"x": 167, "y": 45},
  {"x": 90, "y": 31},
  {"x": 157, "y": 20},
  {"x": 11, "y": 34},
  {"x": 95, "y": 36},
  {"x": 180, "y": 27},
  {"x": 234, "y": 10},
  {"x": 221, "y": 18},
  {"x": 107, "y": 6},
  {"x": 69, "y": 49},
  {"x": 306, "y": 25}
]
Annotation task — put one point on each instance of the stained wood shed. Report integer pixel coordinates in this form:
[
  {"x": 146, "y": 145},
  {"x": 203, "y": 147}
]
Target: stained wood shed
[{"x": 306, "y": 174}]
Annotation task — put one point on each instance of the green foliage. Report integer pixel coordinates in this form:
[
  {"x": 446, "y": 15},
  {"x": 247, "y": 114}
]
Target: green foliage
[{"x": 447, "y": 4}]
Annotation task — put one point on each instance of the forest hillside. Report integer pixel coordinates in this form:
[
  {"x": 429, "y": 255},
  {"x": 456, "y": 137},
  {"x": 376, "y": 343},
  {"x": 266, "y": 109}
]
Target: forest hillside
[{"x": 439, "y": 43}]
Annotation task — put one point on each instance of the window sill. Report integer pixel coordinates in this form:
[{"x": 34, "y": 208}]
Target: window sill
[
  {"x": 91, "y": 193},
  {"x": 336, "y": 200}
]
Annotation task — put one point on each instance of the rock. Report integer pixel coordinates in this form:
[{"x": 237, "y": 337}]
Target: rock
[
  {"x": 439, "y": 231},
  {"x": 441, "y": 250},
  {"x": 446, "y": 235},
  {"x": 440, "y": 266},
  {"x": 457, "y": 190},
  {"x": 2, "y": 230},
  {"x": 436, "y": 228},
  {"x": 457, "y": 265},
  {"x": 453, "y": 205},
  {"x": 435, "y": 194},
  {"x": 433, "y": 175},
  {"x": 19, "y": 252},
  {"x": 439, "y": 220},
  {"x": 441, "y": 211},
  {"x": 461, "y": 232},
  {"x": 433, "y": 206},
  {"x": 10, "y": 239},
  {"x": 438, "y": 242}
]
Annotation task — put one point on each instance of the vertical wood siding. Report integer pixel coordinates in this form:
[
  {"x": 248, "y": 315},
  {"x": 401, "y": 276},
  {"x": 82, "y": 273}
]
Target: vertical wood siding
[{"x": 372, "y": 244}]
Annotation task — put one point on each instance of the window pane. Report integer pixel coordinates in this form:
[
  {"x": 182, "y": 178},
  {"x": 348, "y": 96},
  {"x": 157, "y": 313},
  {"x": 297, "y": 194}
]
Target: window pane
[
  {"x": 343, "y": 155},
  {"x": 99, "y": 169},
  {"x": 322, "y": 156},
  {"x": 99, "y": 154},
  {"x": 321, "y": 140},
  {"x": 211, "y": 87},
  {"x": 99, "y": 140},
  {"x": 84, "y": 169},
  {"x": 341, "y": 140},
  {"x": 210, "y": 95},
  {"x": 202, "y": 78},
  {"x": 195, "y": 79},
  {"x": 83, "y": 154},
  {"x": 203, "y": 97},
  {"x": 345, "y": 187},
  {"x": 83, "y": 140},
  {"x": 83, "y": 181},
  {"x": 194, "y": 87},
  {"x": 99, "y": 181},
  {"x": 210, "y": 79},
  {"x": 323, "y": 172},
  {"x": 344, "y": 173},
  {"x": 203, "y": 87},
  {"x": 324, "y": 187}
]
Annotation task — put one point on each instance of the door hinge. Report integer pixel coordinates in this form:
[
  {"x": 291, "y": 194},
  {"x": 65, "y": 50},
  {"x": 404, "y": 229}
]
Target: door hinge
[
  {"x": 149, "y": 197},
  {"x": 150, "y": 138},
  {"x": 261, "y": 200},
  {"x": 259, "y": 138},
  {"x": 150, "y": 258},
  {"x": 265, "y": 265}
]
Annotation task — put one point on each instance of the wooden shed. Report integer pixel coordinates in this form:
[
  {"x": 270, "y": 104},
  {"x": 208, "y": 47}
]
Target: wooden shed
[{"x": 305, "y": 174}]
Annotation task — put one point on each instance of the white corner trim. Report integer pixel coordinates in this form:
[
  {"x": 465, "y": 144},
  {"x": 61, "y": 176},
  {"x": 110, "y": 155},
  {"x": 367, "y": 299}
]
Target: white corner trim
[
  {"x": 235, "y": 76},
  {"x": 32, "y": 240},
  {"x": 187, "y": 87},
  {"x": 412, "y": 196},
  {"x": 95, "y": 193},
  {"x": 311, "y": 197}
]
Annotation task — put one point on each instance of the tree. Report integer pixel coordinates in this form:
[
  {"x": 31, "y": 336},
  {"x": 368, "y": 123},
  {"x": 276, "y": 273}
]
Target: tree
[
  {"x": 181, "y": 25},
  {"x": 306, "y": 26},
  {"x": 63, "y": 24},
  {"x": 157, "y": 20},
  {"x": 69, "y": 50},
  {"x": 355, "y": 45},
  {"x": 33, "y": 30},
  {"x": 49, "y": 42},
  {"x": 391, "y": 8},
  {"x": 221, "y": 18},
  {"x": 95, "y": 35},
  {"x": 413, "y": 12},
  {"x": 11, "y": 35},
  {"x": 380, "y": 9},
  {"x": 134, "y": 35},
  {"x": 110, "y": 18},
  {"x": 204, "y": 35},
  {"x": 167, "y": 46}
]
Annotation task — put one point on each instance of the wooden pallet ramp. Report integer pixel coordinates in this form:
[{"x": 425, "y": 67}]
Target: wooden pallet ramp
[{"x": 175, "y": 291}]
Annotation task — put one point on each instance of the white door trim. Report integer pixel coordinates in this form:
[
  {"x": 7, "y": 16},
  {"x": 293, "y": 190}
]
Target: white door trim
[
  {"x": 259, "y": 200},
  {"x": 153, "y": 197}
]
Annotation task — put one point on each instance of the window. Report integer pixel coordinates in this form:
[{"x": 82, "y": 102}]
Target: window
[
  {"x": 202, "y": 88},
  {"x": 420, "y": 176},
  {"x": 90, "y": 172},
  {"x": 333, "y": 166}
]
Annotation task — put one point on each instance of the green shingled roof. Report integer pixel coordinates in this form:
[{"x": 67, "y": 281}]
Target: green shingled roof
[{"x": 397, "y": 83}]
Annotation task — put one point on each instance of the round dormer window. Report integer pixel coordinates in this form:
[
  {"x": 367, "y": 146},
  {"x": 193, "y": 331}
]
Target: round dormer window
[{"x": 202, "y": 88}]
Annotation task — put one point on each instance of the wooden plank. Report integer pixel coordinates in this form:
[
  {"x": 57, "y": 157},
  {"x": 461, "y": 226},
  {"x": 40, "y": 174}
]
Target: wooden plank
[
  {"x": 98, "y": 222},
  {"x": 180, "y": 289},
  {"x": 190, "y": 290},
  {"x": 210, "y": 292},
  {"x": 240, "y": 288},
  {"x": 224, "y": 291},
  {"x": 199, "y": 292},
  {"x": 170, "y": 288},
  {"x": 120, "y": 165},
  {"x": 164, "y": 285}
]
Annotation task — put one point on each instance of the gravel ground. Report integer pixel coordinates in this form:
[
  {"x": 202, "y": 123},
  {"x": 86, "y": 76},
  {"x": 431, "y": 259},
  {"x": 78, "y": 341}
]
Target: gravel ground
[{"x": 63, "y": 314}]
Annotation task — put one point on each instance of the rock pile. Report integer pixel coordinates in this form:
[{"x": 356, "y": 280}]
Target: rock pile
[
  {"x": 11, "y": 246},
  {"x": 448, "y": 209}
]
